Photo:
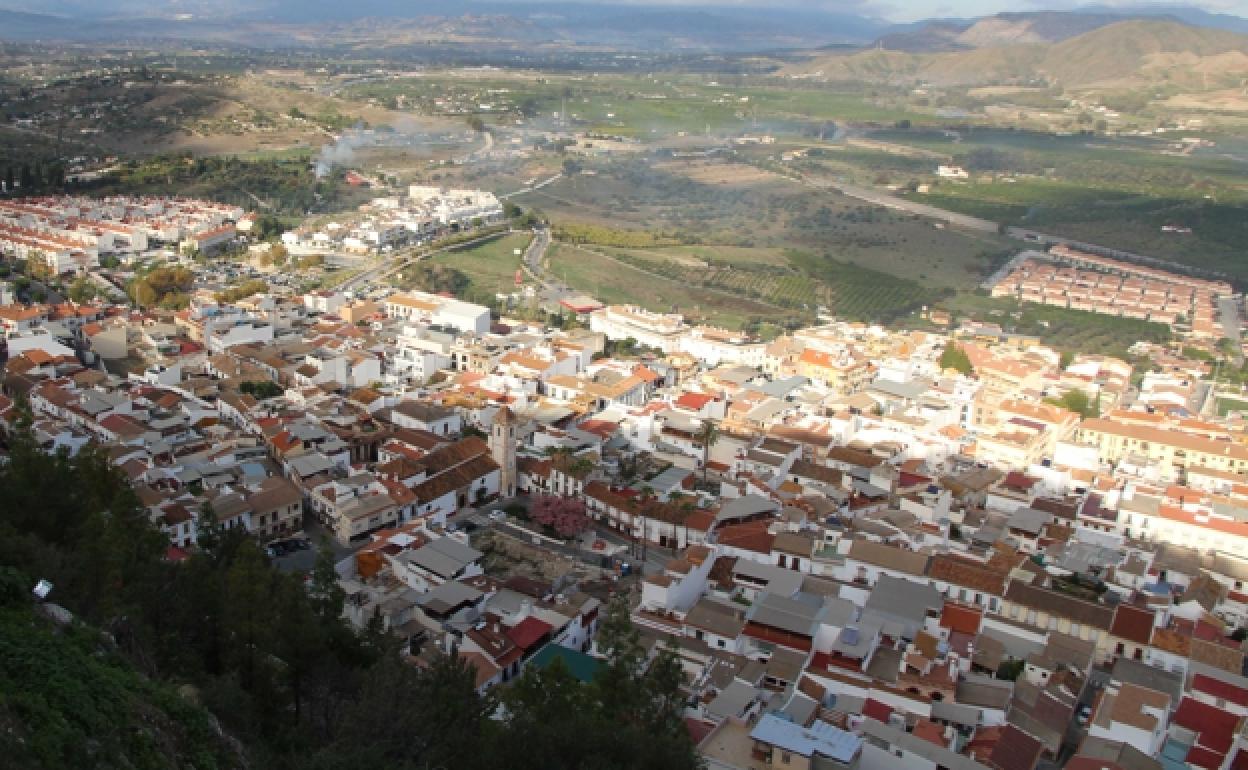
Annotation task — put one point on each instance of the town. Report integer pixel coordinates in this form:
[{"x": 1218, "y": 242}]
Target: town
[{"x": 868, "y": 546}]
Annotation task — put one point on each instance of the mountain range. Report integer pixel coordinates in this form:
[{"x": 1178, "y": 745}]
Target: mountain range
[
  {"x": 1039, "y": 50},
  {"x": 613, "y": 24}
]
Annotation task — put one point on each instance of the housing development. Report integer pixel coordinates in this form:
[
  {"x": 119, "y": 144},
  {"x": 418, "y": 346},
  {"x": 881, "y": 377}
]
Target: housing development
[{"x": 868, "y": 547}]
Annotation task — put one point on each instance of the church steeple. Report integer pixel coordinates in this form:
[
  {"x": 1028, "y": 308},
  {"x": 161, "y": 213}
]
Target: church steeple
[{"x": 503, "y": 450}]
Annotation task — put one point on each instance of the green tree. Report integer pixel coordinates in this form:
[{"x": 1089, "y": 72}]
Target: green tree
[
  {"x": 954, "y": 357},
  {"x": 248, "y": 598},
  {"x": 326, "y": 594},
  {"x": 208, "y": 531},
  {"x": 81, "y": 290},
  {"x": 708, "y": 436},
  {"x": 1079, "y": 402}
]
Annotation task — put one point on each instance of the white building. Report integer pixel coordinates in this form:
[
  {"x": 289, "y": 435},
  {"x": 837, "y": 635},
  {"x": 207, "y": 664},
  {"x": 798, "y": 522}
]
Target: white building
[
  {"x": 422, "y": 307},
  {"x": 654, "y": 330}
]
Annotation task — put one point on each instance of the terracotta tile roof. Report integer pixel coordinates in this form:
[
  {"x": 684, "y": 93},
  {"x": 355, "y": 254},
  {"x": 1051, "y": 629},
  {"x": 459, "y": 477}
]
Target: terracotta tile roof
[
  {"x": 961, "y": 618},
  {"x": 1132, "y": 624},
  {"x": 1218, "y": 655},
  {"x": 1220, "y": 689},
  {"x": 888, "y": 557},
  {"x": 1214, "y": 727},
  {"x": 750, "y": 536},
  {"x": 1015, "y": 750},
  {"x": 528, "y": 632},
  {"x": 1060, "y": 605},
  {"x": 966, "y": 574}
]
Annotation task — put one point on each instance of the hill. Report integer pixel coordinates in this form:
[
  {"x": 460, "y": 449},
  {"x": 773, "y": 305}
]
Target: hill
[
  {"x": 1131, "y": 53},
  {"x": 1136, "y": 53},
  {"x": 67, "y": 700},
  {"x": 1037, "y": 27}
]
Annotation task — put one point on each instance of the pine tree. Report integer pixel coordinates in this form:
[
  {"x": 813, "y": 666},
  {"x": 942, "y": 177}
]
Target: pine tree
[{"x": 208, "y": 534}]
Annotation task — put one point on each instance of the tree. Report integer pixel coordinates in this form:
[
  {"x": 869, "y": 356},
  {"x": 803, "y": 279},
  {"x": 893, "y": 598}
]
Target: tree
[
  {"x": 476, "y": 123},
  {"x": 248, "y": 594},
  {"x": 326, "y": 594},
  {"x": 954, "y": 357},
  {"x": 1077, "y": 401},
  {"x": 1010, "y": 669},
  {"x": 81, "y": 290},
  {"x": 566, "y": 516},
  {"x": 208, "y": 531},
  {"x": 571, "y": 166},
  {"x": 261, "y": 389},
  {"x": 708, "y": 436}
]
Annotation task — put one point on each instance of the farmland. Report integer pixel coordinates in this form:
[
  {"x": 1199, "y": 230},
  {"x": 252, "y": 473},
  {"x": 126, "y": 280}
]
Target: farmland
[
  {"x": 616, "y": 282},
  {"x": 1061, "y": 328}
]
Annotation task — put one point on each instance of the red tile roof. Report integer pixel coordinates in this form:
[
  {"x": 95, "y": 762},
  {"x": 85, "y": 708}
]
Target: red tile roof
[
  {"x": 1016, "y": 750},
  {"x": 960, "y": 618},
  {"x": 1214, "y": 727},
  {"x": 876, "y": 710},
  {"x": 1133, "y": 624},
  {"x": 693, "y": 401},
  {"x": 1219, "y": 689},
  {"x": 528, "y": 632}
]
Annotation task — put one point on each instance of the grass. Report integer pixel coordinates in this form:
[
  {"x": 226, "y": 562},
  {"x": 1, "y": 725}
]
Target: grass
[
  {"x": 491, "y": 266},
  {"x": 1228, "y": 405},
  {"x": 614, "y": 283}
]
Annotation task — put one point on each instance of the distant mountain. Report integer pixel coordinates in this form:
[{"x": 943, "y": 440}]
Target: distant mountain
[
  {"x": 1000, "y": 29},
  {"x": 1038, "y": 27},
  {"x": 1122, "y": 54},
  {"x": 612, "y": 24},
  {"x": 1197, "y": 17}
]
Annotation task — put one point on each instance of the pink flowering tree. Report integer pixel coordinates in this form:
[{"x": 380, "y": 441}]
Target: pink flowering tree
[{"x": 565, "y": 515}]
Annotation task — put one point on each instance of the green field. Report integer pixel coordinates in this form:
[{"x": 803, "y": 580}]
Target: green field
[
  {"x": 491, "y": 266},
  {"x": 646, "y": 107},
  {"x": 612, "y": 282}
]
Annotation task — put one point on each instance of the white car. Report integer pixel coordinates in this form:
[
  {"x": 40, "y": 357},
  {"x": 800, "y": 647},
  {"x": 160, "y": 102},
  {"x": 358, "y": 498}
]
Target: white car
[{"x": 498, "y": 516}]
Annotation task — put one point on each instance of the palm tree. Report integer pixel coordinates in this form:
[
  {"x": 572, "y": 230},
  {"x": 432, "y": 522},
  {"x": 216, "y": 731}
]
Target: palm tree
[{"x": 707, "y": 436}]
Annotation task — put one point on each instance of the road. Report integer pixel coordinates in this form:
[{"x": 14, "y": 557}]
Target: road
[
  {"x": 551, "y": 291},
  {"x": 890, "y": 201},
  {"x": 537, "y": 186}
]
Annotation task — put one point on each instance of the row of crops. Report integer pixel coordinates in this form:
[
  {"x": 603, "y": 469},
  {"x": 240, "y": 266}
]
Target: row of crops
[{"x": 846, "y": 290}]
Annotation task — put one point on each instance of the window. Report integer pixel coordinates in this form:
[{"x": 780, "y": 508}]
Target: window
[{"x": 785, "y": 757}]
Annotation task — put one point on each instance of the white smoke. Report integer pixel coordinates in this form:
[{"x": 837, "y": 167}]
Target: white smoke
[{"x": 341, "y": 152}]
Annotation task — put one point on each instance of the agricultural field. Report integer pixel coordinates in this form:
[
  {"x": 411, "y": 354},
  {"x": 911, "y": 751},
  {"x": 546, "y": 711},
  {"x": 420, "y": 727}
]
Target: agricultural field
[
  {"x": 1061, "y": 328},
  {"x": 1114, "y": 191},
  {"x": 796, "y": 280},
  {"x": 616, "y": 282},
  {"x": 640, "y": 107},
  {"x": 751, "y": 233}
]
